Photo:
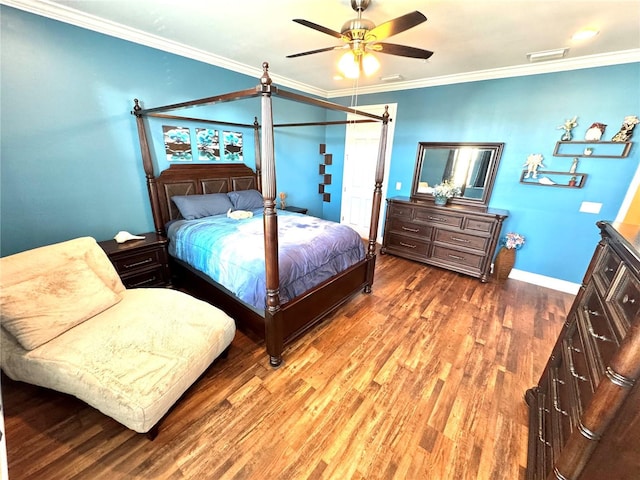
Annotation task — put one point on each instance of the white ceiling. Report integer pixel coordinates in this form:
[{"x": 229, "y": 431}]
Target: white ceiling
[{"x": 471, "y": 39}]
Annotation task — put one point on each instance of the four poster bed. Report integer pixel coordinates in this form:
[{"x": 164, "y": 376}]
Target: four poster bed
[{"x": 278, "y": 321}]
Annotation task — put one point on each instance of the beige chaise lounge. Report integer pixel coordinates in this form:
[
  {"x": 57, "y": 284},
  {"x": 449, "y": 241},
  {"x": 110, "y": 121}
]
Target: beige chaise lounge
[{"x": 69, "y": 324}]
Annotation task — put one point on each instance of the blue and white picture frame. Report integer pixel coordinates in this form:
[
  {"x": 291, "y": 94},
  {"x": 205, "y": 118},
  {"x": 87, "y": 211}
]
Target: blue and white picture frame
[
  {"x": 177, "y": 143},
  {"x": 208, "y": 141},
  {"x": 232, "y": 146}
]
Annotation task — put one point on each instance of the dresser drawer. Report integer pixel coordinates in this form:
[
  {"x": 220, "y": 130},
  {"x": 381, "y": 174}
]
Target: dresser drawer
[
  {"x": 400, "y": 211},
  {"x": 462, "y": 240},
  {"x": 138, "y": 260},
  {"x": 578, "y": 373},
  {"x": 409, "y": 228},
  {"x": 598, "y": 337},
  {"x": 625, "y": 301},
  {"x": 438, "y": 217},
  {"x": 407, "y": 245},
  {"x": 606, "y": 269},
  {"x": 478, "y": 225},
  {"x": 457, "y": 257}
]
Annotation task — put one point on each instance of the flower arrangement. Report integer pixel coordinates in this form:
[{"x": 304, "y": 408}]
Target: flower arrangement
[
  {"x": 446, "y": 189},
  {"x": 512, "y": 240}
]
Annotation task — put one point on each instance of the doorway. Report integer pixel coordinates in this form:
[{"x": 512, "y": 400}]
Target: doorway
[{"x": 360, "y": 158}]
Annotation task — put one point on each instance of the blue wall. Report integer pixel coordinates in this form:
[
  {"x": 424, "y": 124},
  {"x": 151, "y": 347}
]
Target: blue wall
[
  {"x": 71, "y": 162},
  {"x": 524, "y": 113}
]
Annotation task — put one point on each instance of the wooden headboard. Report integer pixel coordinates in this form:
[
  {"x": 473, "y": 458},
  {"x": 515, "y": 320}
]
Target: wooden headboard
[{"x": 198, "y": 179}]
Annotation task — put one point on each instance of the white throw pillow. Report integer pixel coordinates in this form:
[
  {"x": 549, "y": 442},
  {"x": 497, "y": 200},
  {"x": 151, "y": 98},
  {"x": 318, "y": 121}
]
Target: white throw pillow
[{"x": 40, "y": 308}]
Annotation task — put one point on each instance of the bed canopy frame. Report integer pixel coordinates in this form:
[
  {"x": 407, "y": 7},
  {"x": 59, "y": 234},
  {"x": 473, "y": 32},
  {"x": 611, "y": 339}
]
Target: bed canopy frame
[{"x": 280, "y": 323}]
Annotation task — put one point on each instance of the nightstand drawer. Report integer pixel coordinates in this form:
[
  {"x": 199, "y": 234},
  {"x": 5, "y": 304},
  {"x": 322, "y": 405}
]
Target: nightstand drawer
[
  {"x": 138, "y": 260},
  {"x": 149, "y": 278},
  {"x": 140, "y": 263}
]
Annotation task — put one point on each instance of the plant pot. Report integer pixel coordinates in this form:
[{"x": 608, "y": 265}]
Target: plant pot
[
  {"x": 503, "y": 263},
  {"x": 440, "y": 200}
]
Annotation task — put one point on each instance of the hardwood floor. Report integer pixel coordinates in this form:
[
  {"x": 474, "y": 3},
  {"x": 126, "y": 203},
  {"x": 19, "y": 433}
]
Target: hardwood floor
[{"x": 422, "y": 379}]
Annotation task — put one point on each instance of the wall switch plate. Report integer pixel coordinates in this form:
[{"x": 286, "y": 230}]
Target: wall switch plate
[
  {"x": 398, "y": 185},
  {"x": 590, "y": 207}
]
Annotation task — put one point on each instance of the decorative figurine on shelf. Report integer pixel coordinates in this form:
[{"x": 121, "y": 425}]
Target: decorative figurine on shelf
[
  {"x": 574, "y": 165},
  {"x": 534, "y": 161},
  {"x": 624, "y": 135},
  {"x": 283, "y": 202},
  {"x": 567, "y": 126},
  {"x": 572, "y": 181},
  {"x": 594, "y": 132}
]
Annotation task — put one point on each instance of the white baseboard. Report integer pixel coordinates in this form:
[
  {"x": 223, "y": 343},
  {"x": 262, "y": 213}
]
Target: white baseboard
[{"x": 541, "y": 280}]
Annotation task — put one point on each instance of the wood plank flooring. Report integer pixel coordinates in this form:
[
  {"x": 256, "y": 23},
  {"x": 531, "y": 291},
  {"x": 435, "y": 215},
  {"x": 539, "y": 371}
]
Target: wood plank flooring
[{"x": 422, "y": 379}]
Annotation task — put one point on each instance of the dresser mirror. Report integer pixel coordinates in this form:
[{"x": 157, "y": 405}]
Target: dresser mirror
[{"x": 470, "y": 166}]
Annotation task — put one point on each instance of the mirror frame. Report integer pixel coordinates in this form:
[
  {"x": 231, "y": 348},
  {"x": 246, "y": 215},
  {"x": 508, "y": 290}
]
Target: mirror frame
[{"x": 496, "y": 154}]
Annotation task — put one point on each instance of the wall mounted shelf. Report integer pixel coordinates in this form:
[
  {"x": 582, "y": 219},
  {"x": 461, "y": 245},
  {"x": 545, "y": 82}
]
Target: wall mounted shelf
[
  {"x": 559, "y": 179},
  {"x": 327, "y": 159},
  {"x": 598, "y": 149}
]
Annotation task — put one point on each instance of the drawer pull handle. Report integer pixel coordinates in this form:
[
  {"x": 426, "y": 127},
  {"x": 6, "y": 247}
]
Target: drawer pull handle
[
  {"x": 595, "y": 335},
  {"x": 593, "y": 313},
  {"x": 414, "y": 230},
  {"x": 541, "y": 411},
  {"x": 556, "y": 400},
  {"x": 437, "y": 219},
  {"x": 144, "y": 282},
  {"x": 572, "y": 368},
  {"x": 462, "y": 240},
  {"x": 137, "y": 264},
  {"x": 455, "y": 257},
  {"x": 608, "y": 269},
  {"x": 408, "y": 245},
  {"x": 628, "y": 299}
]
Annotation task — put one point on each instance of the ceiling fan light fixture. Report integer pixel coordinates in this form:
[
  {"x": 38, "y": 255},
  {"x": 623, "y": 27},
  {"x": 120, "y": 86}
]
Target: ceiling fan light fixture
[
  {"x": 370, "y": 64},
  {"x": 350, "y": 64}
]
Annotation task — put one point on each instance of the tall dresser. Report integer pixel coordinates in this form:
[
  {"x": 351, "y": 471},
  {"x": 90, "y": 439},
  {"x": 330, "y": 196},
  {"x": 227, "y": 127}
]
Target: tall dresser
[
  {"x": 455, "y": 237},
  {"x": 584, "y": 414}
]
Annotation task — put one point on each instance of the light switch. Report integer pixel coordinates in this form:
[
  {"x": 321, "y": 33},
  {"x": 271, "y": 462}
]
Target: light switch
[
  {"x": 590, "y": 207},
  {"x": 398, "y": 185}
]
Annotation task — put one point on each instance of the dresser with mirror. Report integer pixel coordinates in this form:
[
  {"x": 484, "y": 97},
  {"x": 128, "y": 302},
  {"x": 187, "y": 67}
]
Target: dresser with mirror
[{"x": 462, "y": 235}]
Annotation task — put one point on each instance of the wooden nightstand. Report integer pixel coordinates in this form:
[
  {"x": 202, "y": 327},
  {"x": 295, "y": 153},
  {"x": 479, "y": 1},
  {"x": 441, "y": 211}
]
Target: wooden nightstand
[
  {"x": 140, "y": 263},
  {"x": 291, "y": 208}
]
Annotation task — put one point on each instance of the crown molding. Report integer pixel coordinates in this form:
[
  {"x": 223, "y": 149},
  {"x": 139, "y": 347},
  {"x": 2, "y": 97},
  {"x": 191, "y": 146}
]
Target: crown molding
[
  {"x": 113, "y": 29},
  {"x": 590, "y": 61},
  {"x": 74, "y": 17}
]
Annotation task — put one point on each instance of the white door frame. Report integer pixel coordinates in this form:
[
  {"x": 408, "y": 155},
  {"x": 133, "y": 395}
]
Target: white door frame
[{"x": 375, "y": 109}]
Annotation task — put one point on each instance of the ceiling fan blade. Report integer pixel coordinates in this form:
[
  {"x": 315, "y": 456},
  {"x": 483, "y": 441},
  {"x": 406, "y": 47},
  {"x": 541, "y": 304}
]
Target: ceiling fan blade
[
  {"x": 401, "y": 50},
  {"x": 320, "y": 50},
  {"x": 395, "y": 26},
  {"x": 317, "y": 27}
]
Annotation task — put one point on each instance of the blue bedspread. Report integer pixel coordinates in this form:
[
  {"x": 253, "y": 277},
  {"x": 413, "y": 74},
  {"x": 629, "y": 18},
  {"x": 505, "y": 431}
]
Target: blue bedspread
[{"x": 231, "y": 252}]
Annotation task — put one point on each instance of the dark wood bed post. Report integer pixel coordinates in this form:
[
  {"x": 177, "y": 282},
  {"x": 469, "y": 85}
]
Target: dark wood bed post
[
  {"x": 148, "y": 168},
  {"x": 274, "y": 332},
  {"x": 377, "y": 199},
  {"x": 256, "y": 142}
]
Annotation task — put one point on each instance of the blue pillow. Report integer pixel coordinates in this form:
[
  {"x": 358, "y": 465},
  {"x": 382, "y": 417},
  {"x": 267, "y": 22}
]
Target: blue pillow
[
  {"x": 246, "y": 199},
  {"x": 198, "y": 206}
]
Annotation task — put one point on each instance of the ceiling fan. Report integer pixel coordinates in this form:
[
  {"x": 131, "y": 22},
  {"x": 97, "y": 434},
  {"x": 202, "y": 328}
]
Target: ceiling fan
[{"x": 361, "y": 36}]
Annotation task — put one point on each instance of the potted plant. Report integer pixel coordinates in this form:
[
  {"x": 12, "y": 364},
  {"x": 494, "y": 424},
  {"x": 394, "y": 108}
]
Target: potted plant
[
  {"x": 442, "y": 192},
  {"x": 506, "y": 257}
]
